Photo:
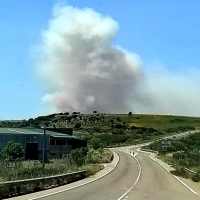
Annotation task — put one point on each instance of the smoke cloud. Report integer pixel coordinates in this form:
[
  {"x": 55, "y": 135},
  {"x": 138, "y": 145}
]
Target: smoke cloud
[
  {"x": 173, "y": 92},
  {"x": 83, "y": 71}
]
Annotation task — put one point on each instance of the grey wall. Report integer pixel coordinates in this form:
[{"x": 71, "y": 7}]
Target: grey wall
[{"x": 23, "y": 139}]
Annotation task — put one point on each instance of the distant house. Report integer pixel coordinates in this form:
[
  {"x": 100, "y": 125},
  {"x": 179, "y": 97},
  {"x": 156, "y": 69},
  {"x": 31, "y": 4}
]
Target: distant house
[{"x": 54, "y": 142}]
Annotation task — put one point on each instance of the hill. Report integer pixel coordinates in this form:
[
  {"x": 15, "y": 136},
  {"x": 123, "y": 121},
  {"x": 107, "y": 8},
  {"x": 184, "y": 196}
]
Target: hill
[{"x": 110, "y": 129}]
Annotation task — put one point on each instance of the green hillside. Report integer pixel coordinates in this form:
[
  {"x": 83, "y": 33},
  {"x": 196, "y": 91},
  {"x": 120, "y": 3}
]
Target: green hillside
[{"x": 112, "y": 129}]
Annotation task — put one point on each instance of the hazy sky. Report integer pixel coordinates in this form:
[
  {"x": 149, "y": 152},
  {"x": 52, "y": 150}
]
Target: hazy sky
[{"x": 165, "y": 35}]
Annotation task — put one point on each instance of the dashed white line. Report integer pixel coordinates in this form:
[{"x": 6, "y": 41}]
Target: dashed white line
[{"x": 138, "y": 177}]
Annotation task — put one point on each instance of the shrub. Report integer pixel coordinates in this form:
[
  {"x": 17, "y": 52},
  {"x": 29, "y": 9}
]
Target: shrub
[
  {"x": 78, "y": 155},
  {"x": 195, "y": 177},
  {"x": 92, "y": 169},
  {"x": 77, "y": 125},
  {"x": 96, "y": 143},
  {"x": 13, "y": 150},
  {"x": 99, "y": 156}
]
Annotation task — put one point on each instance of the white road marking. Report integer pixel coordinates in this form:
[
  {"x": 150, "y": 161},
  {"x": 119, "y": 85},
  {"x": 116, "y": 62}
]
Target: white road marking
[
  {"x": 185, "y": 184},
  {"x": 125, "y": 198},
  {"x": 53, "y": 193},
  {"x": 135, "y": 154},
  {"x": 173, "y": 175},
  {"x": 140, "y": 170},
  {"x": 159, "y": 163}
]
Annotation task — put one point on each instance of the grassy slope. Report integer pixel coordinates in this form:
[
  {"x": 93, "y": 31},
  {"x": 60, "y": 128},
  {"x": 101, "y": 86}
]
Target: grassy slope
[
  {"x": 162, "y": 122},
  {"x": 158, "y": 122}
]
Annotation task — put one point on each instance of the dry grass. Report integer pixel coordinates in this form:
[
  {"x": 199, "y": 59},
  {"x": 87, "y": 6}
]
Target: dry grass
[{"x": 162, "y": 122}]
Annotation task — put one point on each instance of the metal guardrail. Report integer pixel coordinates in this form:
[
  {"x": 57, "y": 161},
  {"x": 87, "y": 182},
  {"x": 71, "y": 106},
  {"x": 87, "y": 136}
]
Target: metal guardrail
[
  {"x": 189, "y": 170},
  {"x": 27, "y": 181},
  {"x": 195, "y": 176},
  {"x": 149, "y": 150}
]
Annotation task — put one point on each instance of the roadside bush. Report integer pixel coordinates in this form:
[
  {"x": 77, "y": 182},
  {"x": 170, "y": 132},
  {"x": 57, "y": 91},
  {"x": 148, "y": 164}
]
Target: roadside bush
[
  {"x": 118, "y": 132},
  {"x": 92, "y": 169},
  {"x": 13, "y": 150},
  {"x": 77, "y": 125},
  {"x": 96, "y": 143},
  {"x": 78, "y": 155},
  {"x": 195, "y": 177}
]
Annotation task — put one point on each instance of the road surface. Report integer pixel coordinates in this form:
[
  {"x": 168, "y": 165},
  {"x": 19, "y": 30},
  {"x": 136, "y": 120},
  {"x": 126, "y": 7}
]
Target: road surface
[
  {"x": 158, "y": 184},
  {"x": 109, "y": 187},
  {"x": 126, "y": 182}
]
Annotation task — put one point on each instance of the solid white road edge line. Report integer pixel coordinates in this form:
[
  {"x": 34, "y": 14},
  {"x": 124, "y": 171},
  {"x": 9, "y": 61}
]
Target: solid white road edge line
[
  {"x": 173, "y": 175},
  {"x": 158, "y": 163},
  {"x": 140, "y": 170},
  {"x": 185, "y": 184},
  {"x": 53, "y": 193}
]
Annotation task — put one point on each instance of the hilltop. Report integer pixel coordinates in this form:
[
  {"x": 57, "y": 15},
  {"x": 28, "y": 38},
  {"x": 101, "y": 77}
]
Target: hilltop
[{"x": 109, "y": 129}]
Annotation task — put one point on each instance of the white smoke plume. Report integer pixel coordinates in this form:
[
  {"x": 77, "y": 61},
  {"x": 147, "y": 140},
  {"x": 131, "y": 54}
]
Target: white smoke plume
[
  {"x": 173, "y": 92},
  {"x": 82, "y": 68},
  {"x": 83, "y": 71}
]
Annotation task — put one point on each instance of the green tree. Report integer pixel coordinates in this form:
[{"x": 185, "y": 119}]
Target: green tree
[
  {"x": 13, "y": 150},
  {"x": 77, "y": 125},
  {"x": 96, "y": 143}
]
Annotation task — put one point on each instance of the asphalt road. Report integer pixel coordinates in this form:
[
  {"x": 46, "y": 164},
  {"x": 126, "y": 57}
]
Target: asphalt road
[
  {"x": 178, "y": 135},
  {"x": 154, "y": 183},
  {"x": 110, "y": 187},
  {"x": 157, "y": 184}
]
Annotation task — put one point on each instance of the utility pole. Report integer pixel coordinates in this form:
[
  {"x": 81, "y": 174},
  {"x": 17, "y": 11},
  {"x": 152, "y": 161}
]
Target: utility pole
[{"x": 44, "y": 149}]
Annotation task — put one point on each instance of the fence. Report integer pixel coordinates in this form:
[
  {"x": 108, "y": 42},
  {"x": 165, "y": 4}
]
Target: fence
[
  {"x": 7, "y": 163},
  {"x": 148, "y": 150},
  {"x": 189, "y": 170}
]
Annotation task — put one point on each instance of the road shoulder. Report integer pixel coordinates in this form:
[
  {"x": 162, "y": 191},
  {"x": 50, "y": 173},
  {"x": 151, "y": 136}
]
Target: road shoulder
[{"x": 193, "y": 185}]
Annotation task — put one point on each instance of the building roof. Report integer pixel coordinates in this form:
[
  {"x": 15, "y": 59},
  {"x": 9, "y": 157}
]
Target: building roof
[{"x": 33, "y": 131}]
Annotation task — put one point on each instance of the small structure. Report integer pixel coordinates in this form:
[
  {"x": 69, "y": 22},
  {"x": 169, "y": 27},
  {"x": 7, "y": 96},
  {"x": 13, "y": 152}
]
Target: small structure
[
  {"x": 165, "y": 144},
  {"x": 53, "y": 142}
]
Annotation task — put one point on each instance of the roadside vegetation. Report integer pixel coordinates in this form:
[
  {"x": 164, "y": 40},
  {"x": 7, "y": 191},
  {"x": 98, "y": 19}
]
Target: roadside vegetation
[
  {"x": 103, "y": 130},
  {"x": 183, "y": 154},
  {"x": 13, "y": 167},
  {"x": 91, "y": 122},
  {"x": 107, "y": 130}
]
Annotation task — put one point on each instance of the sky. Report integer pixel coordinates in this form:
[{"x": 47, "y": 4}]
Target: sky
[{"x": 165, "y": 35}]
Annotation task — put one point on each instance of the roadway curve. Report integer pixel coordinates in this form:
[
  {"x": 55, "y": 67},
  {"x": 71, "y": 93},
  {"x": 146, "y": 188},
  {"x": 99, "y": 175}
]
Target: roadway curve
[
  {"x": 158, "y": 184},
  {"x": 110, "y": 187},
  {"x": 138, "y": 178},
  {"x": 154, "y": 183}
]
